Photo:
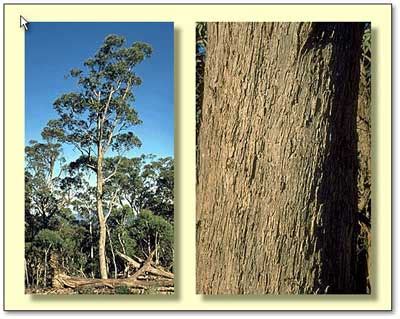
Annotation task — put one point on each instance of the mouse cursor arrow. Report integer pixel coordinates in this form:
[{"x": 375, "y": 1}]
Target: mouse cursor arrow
[{"x": 23, "y": 23}]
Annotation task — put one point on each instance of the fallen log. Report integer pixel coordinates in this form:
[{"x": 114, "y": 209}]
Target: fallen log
[
  {"x": 61, "y": 280},
  {"x": 145, "y": 268},
  {"x": 160, "y": 272},
  {"x": 129, "y": 260},
  {"x": 148, "y": 266}
]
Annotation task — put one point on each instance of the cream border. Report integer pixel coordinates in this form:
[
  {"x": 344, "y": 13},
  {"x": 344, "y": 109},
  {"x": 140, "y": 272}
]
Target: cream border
[{"x": 184, "y": 17}]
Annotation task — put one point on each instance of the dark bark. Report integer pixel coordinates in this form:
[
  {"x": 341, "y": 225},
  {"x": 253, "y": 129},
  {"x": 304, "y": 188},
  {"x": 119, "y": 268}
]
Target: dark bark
[
  {"x": 277, "y": 188},
  {"x": 364, "y": 178}
]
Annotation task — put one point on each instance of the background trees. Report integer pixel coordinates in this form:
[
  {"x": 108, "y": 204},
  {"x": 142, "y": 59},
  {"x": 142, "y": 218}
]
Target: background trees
[
  {"x": 277, "y": 159},
  {"x": 68, "y": 227}
]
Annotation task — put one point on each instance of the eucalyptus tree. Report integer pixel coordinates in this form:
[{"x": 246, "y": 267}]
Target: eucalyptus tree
[
  {"x": 127, "y": 185},
  {"x": 159, "y": 187},
  {"x": 47, "y": 239},
  {"x": 83, "y": 203},
  {"x": 153, "y": 233},
  {"x": 41, "y": 180},
  {"x": 99, "y": 117},
  {"x": 144, "y": 182}
]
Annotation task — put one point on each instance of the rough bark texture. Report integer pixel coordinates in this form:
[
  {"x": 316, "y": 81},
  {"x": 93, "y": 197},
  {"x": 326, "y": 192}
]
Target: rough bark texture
[
  {"x": 364, "y": 147},
  {"x": 364, "y": 179},
  {"x": 277, "y": 189}
]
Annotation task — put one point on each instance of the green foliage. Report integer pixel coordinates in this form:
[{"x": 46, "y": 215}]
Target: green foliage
[
  {"x": 41, "y": 206},
  {"x": 47, "y": 237},
  {"x": 150, "y": 230},
  {"x": 100, "y": 112},
  {"x": 159, "y": 187},
  {"x": 122, "y": 290},
  {"x": 144, "y": 183},
  {"x": 86, "y": 290},
  {"x": 41, "y": 158}
]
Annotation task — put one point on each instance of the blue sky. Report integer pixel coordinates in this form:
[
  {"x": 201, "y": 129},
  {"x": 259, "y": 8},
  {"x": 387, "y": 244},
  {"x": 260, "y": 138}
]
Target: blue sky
[{"x": 52, "y": 49}]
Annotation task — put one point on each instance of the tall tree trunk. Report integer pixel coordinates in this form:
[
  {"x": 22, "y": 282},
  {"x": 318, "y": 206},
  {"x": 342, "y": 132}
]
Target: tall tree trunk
[
  {"x": 277, "y": 189},
  {"x": 100, "y": 215}
]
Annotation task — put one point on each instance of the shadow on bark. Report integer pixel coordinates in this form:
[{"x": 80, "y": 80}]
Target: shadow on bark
[{"x": 339, "y": 230}]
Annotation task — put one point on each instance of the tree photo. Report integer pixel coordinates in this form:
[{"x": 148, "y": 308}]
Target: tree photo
[
  {"x": 283, "y": 158},
  {"x": 99, "y": 167}
]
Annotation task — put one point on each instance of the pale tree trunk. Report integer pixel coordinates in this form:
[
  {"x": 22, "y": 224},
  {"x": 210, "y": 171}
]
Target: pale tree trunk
[
  {"x": 148, "y": 245},
  {"x": 126, "y": 270},
  {"x": 112, "y": 253},
  {"x": 46, "y": 253},
  {"x": 156, "y": 249},
  {"x": 91, "y": 247},
  {"x": 107, "y": 265},
  {"x": 37, "y": 275},
  {"x": 28, "y": 285},
  {"x": 277, "y": 188},
  {"x": 100, "y": 215},
  {"x": 91, "y": 240},
  {"x": 45, "y": 269},
  {"x": 121, "y": 243}
]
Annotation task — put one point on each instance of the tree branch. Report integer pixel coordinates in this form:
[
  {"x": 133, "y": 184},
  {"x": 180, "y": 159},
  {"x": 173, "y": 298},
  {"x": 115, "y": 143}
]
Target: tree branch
[
  {"x": 107, "y": 106},
  {"x": 128, "y": 87},
  {"x": 109, "y": 101},
  {"x": 94, "y": 168},
  {"x": 117, "y": 118},
  {"x": 111, "y": 204},
  {"x": 113, "y": 126},
  {"x": 115, "y": 170},
  {"x": 80, "y": 149}
]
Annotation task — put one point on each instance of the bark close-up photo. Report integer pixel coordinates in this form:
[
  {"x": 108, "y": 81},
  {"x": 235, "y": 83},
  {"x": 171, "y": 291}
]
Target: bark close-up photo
[{"x": 283, "y": 137}]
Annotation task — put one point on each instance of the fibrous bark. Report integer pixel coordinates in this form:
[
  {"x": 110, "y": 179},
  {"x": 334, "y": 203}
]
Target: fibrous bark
[
  {"x": 364, "y": 171},
  {"x": 277, "y": 187}
]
